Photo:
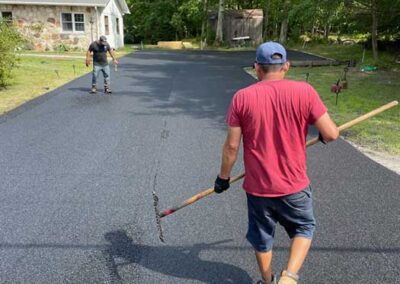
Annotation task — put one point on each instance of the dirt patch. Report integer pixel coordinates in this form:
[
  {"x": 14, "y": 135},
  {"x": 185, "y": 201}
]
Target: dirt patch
[{"x": 391, "y": 162}]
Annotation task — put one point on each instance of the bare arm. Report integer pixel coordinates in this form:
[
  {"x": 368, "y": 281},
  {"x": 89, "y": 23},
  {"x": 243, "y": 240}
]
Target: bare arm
[
  {"x": 88, "y": 55},
  {"x": 112, "y": 54},
  {"x": 230, "y": 151},
  {"x": 327, "y": 127}
]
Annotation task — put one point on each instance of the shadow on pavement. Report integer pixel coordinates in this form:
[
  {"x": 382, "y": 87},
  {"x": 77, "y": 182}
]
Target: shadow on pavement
[
  {"x": 181, "y": 262},
  {"x": 177, "y": 261}
]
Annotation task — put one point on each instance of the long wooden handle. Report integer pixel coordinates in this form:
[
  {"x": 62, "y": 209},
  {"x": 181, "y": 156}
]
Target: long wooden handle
[
  {"x": 313, "y": 141},
  {"x": 358, "y": 120},
  {"x": 196, "y": 197}
]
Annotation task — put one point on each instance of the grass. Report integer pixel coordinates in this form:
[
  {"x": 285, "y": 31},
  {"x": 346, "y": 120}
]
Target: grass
[
  {"x": 386, "y": 61},
  {"x": 119, "y": 53},
  {"x": 366, "y": 92},
  {"x": 35, "y": 76}
]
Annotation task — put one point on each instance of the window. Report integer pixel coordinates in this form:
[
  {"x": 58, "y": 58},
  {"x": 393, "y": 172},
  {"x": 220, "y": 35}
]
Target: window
[
  {"x": 73, "y": 22},
  {"x": 117, "y": 23},
  {"x": 79, "y": 22},
  {"x": 67, "y": 25},
  {"x": 7, "y": 17},
  {"x": 106, "y": 25}
]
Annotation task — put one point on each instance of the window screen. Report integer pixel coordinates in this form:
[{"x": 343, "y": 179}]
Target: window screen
[
  {"x": 73, "y": 22},
  {"x": 79, "y": 22},
  {"x": 117, "y": 23},
  {"x": 67, "y": 24},
  {"x": 106, "y": 25}
]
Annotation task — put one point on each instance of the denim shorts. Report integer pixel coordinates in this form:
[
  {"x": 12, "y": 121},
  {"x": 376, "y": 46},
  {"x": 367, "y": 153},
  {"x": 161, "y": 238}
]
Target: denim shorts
[{"x": 294, "y": 212}]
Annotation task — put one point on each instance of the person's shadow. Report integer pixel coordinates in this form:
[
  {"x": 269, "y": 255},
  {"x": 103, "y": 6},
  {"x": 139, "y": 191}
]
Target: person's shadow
[{"x": 181, "y": 262}]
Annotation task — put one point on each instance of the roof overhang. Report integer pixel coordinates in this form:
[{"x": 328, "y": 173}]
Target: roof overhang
[
  {"x": 124, "y": 6},
  {"x": 84, "y": 3},
  {"x": 54, "y": 3}
]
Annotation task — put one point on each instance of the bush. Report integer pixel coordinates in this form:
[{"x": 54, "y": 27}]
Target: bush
[
  {"x": 10, "y": 39},
  {"x": 62, "y": 48}
]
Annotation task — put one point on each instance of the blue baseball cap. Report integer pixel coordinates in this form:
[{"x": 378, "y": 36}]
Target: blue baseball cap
[{"x": 266, "y": 51}]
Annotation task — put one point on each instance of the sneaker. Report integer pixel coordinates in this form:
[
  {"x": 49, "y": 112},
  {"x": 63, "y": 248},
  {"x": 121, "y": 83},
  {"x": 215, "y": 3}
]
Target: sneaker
[
  {"x": 263, "y": 282},
  {"x": 288, "y": 278},
  {"x": 93, "y": 90},
  {"x": 107, "y": 91}
]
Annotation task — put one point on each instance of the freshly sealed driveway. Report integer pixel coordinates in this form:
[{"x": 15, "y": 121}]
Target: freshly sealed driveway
[{"x": 78, "y": 171}]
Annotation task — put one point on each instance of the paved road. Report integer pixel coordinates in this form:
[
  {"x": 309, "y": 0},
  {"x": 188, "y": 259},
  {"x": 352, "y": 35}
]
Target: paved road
[{"x": 78, "y": 170}]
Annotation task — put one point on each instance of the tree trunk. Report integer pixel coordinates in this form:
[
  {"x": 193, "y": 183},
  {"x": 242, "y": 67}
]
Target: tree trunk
[
  {"x": 266, "y": 12},
  {"x": 204, "y": 25},
  {"x": 374, "y": 35},
  {"x": 219, "y": 38},
  {"x": 285, "y": 22},
  {"x": 275, "y": 31},
  {"x": 327, "y": 31}
]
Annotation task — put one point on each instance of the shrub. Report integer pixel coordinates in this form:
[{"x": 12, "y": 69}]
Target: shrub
[
  {"x": 62, "y": 47},
  {"x": 10, "y": 39}
]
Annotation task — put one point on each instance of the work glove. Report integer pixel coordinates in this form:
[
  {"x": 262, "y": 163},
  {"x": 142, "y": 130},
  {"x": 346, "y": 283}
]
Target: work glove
[
  {"x": 320, "y": 138},
  {"x": 221, "y": 184},
  {"x": 87, "y": 62}
]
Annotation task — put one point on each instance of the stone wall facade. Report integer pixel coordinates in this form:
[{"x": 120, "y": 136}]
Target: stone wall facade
[{"x": 42, "y": 26}]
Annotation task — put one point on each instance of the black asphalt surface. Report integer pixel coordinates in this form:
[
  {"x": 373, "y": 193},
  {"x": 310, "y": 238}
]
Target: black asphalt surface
[{"x": 77, "y": 173}]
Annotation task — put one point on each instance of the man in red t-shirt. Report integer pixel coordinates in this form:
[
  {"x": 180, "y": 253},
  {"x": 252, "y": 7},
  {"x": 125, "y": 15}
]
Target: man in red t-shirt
[{"x": 273, "y": 116}]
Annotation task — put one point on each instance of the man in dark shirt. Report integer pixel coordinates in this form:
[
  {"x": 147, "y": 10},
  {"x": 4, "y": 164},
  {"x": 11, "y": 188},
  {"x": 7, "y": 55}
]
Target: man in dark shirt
[{"x": 99, "y": 49}]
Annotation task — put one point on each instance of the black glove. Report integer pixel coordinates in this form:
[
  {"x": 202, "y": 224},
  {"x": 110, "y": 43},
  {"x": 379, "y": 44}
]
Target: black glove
[
  {"x": 221, "y": 184},
  {"x": 320, "y": 138}
]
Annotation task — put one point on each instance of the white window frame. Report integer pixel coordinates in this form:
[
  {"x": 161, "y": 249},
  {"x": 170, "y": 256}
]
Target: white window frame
[{"x": 73, "y": 23}]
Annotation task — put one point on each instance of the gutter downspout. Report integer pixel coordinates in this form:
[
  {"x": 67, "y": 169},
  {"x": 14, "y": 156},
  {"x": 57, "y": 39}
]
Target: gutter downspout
[{"x": 97, "y": 23}]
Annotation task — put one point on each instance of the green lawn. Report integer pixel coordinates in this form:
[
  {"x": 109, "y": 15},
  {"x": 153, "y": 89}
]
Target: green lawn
[
  {"x": 365, "y": 93},
  {"x": 35, "y": 76},
  {"x": 128, "y": 48},
  {"x": 386, "y": 61}
]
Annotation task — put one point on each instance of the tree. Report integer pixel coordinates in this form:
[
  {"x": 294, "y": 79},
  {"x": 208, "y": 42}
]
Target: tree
[
  {"x": 375, "y": 14},
  {"x": 266, "y": 18},
  {"x": 220, "y": 21},
  {"x": 154, "y": 20},
  {"x": 285, "y": 22},
  {"x": 369, "y": 7},
  {"x": 204, "y": 24}
]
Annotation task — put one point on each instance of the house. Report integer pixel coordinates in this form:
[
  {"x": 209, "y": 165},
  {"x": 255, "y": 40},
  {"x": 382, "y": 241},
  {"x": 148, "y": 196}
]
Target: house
[{"x": 53, "y": 24}]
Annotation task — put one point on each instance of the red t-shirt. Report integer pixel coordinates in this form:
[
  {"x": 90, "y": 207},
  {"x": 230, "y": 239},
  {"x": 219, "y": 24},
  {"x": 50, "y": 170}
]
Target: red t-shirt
[{"x": 274, "y": 118}]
